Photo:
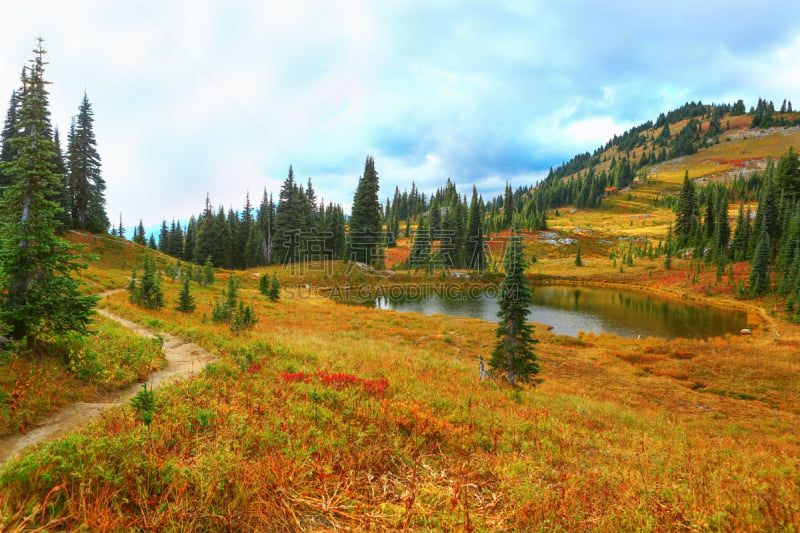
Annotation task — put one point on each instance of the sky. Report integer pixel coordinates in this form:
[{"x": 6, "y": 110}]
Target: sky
[{"x": 220, "y": 97}]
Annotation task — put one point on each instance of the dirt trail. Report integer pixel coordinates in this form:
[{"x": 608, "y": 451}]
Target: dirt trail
[{"x": 184, "y": 360}]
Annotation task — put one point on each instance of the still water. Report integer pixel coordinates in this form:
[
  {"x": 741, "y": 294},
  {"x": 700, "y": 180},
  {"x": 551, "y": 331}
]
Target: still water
[{"x": 572, "y": 309}]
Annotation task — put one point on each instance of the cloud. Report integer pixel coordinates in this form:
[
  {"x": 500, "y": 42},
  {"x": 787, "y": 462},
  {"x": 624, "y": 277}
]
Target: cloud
[{"x": 221, "y": 97}]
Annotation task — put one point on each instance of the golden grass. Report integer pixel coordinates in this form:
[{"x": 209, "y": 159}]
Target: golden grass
[{"x": 622, "y": 435}]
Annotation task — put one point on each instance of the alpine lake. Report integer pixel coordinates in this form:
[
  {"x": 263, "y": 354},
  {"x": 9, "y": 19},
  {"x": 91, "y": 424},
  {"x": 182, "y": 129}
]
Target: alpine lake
[{"x": 568, "y": 310}]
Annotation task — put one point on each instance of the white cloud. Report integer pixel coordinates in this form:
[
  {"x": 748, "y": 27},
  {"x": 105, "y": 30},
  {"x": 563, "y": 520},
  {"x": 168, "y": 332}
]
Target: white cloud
[{"x": 222, "y": 96}]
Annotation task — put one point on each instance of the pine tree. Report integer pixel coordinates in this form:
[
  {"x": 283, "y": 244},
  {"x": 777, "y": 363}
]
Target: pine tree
[
  {"x": 139, "y": 237},
  {"x": 147, "y": 292},
  {"x": 668, "y": 248},
  {"x": 686, "y": 216},
  {"x": 185, "y": 301},
  {"x": 365, "y": 221},
  {"x": 208, "y": 272},
  {"x": 86, "y": 184},
  {"x": 476, "y": 253},
  {"x": 759, "y": 271},
  {"x": 578, "y": 260},
  {"x": 263, "y": 284},
  {"x": 39, "y": 294},
  {"x": 508, "y": 206},
  {"x": 288, "y": 221},
  {"x": 513, "y": 354},
  {"x": 10, "y": 130},
  {"x": 275, "y": 288}
]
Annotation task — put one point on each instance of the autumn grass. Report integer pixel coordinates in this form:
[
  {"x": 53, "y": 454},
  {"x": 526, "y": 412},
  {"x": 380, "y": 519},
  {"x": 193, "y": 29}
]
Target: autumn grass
[
  {"x": 37, "y": 381},
  {"x": 622, "y": 434}
]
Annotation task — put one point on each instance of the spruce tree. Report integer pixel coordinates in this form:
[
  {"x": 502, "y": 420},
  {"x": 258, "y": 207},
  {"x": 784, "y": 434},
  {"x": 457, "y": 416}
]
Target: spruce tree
[
  {"x": 476, "y": 254},
  {"x": 147, "y": 292},
  {"x": 185, "y": 300},
  {"x": 365, "y": 221},
  {"x": 686, "y": 216},
  {"x": 508, "y": 206},
  {"x": 578, "y": 260},
  {"x": 139, "y": 237},
  {"x": 208, "y": 272},
  {"x": 513, "y": 354},
  {"x": 10, "y": 130},
  {"x": 38, "y": 293},
  {"x": 759, "y": 270},
  {"x": 275, "y": 288},
  {"x": 86, "y": 184}
]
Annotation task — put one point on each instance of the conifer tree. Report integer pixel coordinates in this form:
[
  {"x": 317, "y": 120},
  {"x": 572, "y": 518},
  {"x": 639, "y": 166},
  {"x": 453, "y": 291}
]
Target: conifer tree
[
  {"x": 288, "y": 221},
  {"x": 10, "y": 130},
  {"x": 275, "y": 288},
  {"x": 668, "y": 249},
  {"x": 759, "y": 270},
  {"x": 365, "y": 221},
  {"x": 508, "y": 206},
  {"x": 578, "y": 260},
  {"x": 147, "y": 292},
  {"x": 686, "y": 216},
  {"x": 208, "y": 272},
  {"x": 86, "y": 184},
  {"x": 139, "y": 237},
  {"x": 38, "y": 293},
  {"x": 476, "y": 254},
  {"x": 513, "y": 354},
  {"x": 185, "y": 300}
]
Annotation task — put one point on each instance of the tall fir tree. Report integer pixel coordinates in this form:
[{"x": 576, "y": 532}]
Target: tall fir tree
[
  {"x": 86, "y": 184},
  {"x": 759, "y": 281},
  {"x": 288, "y": 221},
  {"x": 686, "y": 216},
  {"x": 365, "y": 221},
  {"x": 10, "y": 130},
  {"x": 185, "y": 300},
  {"x": 508, "y": 206},
  {"x": 476, "y": 253},
  {"x": 39, "y": 294},
  {"x": 513, "y": 353}
]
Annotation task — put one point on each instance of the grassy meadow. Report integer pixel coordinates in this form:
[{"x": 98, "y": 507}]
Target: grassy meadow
[{"x": 331, "y": 417}]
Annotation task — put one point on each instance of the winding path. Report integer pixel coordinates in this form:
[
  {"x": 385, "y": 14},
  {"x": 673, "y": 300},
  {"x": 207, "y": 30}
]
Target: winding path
[{"x": 184, "y": 360}]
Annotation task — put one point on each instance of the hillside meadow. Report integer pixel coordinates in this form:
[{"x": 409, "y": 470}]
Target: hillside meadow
[{"x": 327, "y": 416}]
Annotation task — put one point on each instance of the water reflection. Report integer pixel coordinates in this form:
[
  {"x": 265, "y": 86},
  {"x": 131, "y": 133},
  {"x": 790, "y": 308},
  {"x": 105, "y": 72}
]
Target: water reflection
[{"x": 573, "y": 309}]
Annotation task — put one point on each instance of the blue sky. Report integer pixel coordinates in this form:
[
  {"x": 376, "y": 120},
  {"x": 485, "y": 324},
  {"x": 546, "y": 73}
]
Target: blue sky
[{"x": 222, "y": 96}]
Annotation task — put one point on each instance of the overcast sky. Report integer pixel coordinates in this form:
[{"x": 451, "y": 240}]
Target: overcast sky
[{"x": 221, "y": 96}]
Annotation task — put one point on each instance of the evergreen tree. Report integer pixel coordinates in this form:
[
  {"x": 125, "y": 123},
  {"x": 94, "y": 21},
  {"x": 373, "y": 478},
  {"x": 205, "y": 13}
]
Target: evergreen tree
[
  {"x": 476, "y": 253},
  {"x": 10, "y": 130},
  {"x": 740, "y": 236},
  {"x": 668, "y": 249},
  {"x": 508, "y": 206},
  {"x": 513, "y": 354},
  {"x": 139, "y": 237},
  {"x": 38, "y": 293},
  {"x": 86, "y": 184},
  {"x": 62, "y": 196},
  {"x": 288, "y": 221},
  {"x": 263, "y": 284},
  {"x": 578, "y": 260},
  {"x": 152, "y": 243},
  {"x": 208, "y": 272},
  {"x": 759, "y": 269},
  {"x": 686, "y": 216},
  {"x": 185, "y": 300},
  {"x": 147, "y": 292},
  {"x": 365, "y": 221},
  {"x": 275, "y": 288}
]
